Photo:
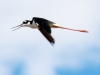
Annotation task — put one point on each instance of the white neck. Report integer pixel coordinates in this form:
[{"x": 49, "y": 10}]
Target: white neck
[{"x": 33, "y": 25}]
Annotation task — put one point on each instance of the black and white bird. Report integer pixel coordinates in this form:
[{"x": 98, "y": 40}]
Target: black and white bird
[{"x": 44, "y": 26}]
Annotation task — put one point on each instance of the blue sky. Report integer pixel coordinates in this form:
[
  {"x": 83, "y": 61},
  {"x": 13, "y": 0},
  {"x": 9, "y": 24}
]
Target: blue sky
[{"x": 27, "y": 52}]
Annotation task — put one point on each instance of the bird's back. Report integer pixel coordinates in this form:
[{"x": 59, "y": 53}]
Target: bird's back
[{"x": 44, "y": 23}]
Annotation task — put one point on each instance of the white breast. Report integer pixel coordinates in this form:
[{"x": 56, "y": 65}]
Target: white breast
[{"x": 33, "y": 25}]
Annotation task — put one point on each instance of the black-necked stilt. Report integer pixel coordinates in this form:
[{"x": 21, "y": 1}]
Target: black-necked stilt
[{"x": 44, "y": 27}]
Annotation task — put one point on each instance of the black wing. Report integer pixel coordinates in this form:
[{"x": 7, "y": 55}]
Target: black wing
[
  {"x": 44, "y": 28},
  {"x": 44, "y": 23},
  {"x": 47, "y": 35}
]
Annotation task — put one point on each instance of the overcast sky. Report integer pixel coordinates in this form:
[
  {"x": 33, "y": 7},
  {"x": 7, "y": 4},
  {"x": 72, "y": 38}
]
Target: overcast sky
[{"x": 27, "y": 52}]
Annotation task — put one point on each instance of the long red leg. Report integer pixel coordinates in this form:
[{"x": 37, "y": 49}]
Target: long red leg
[
  {"x": 75, "y": 30},
  {"x": 71, "y": 29}
]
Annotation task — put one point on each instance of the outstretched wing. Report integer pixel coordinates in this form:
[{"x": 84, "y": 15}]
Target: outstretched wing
[
  {"x": 47, "y": 35},
  {"x": 44, "y": 28}
]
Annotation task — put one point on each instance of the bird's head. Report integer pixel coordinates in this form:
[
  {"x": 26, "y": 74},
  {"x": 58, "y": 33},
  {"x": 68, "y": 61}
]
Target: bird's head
[{"x": 26, "y": 23}]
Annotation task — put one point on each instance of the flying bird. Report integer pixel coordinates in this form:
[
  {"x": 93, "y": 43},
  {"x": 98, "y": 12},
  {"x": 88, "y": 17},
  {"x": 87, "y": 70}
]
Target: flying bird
[{"x": 44, "y": 26}]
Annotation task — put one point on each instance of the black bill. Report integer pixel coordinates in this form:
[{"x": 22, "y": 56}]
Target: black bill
[{"x": 16, "y": 27}]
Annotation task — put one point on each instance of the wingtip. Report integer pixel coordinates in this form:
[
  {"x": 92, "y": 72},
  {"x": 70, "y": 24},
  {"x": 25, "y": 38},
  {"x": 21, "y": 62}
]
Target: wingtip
[{"x": 52, "y": 44}]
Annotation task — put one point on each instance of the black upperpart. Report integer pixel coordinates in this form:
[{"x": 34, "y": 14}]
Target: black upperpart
[
  {"x": 44, "y": 28},
  {"x": 44, "y": 23}
]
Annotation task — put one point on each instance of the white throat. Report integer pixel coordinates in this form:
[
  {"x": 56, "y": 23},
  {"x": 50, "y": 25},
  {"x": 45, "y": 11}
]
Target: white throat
[{"x": 33, "y": 25}]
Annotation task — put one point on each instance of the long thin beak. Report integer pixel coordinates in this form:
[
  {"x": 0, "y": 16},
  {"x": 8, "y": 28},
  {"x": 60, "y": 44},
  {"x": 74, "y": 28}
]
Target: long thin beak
[{"x": 17, "y": 27}]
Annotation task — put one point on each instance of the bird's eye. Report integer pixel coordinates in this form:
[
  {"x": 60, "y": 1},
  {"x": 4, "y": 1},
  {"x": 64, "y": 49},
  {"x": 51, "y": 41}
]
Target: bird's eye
[{"x": 24, "y": 22}]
